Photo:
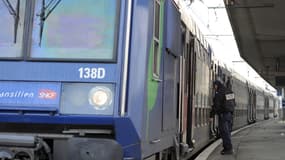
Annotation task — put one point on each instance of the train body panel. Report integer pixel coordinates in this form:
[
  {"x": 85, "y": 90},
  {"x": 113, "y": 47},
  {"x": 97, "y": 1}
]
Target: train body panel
[
  {"x": 260, "y": 99},
  {"x": 241, "y": 115}
]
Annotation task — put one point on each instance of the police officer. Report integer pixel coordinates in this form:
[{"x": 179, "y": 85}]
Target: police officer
[{"x": 224, "y": 114}]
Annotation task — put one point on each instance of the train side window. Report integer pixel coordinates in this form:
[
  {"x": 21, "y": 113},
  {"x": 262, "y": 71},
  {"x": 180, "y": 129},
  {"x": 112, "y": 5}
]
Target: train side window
[
  {"x": 156, "y": 60},
  {"x": 156, "y": 44},
  {"x": 156, "y": 18}
]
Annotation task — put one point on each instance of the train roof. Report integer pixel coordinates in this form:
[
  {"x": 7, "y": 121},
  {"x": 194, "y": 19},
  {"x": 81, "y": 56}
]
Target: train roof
[{"x": 191, "y": 25}]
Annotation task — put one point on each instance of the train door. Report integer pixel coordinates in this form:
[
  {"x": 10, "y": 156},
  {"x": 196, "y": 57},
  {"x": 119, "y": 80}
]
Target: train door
[
  {"x": 171, "y": 68},
  {"x": 249, "y": 105},
  {"x": 183, "y": 100},
  {"x": 187, "y": 88},
  {"x": 155, "y": 89},
  {"x": 254, "y": 106},
  {"x": 170, "y": 90},
  {"x": 186, "y": 78},
  {"x": 266, "y": 107},
  {"x": 215, "y": 123},
  {"x": 212, "y": 94},
  {"x": 190, "y": 80}
]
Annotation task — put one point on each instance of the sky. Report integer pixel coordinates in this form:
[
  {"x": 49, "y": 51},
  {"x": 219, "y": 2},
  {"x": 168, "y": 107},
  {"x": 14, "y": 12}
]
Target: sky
[{"x": 212, "y": 19}]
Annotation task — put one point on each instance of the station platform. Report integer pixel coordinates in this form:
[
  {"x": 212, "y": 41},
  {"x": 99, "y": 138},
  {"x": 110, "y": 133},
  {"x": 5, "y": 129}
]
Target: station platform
[{"x": 262, "y": 141}]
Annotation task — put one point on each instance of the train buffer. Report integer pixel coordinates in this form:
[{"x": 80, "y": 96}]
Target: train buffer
[{"x": 262, "y": 141}]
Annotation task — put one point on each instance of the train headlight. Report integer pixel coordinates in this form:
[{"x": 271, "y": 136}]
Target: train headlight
[
  {"x": 100, "y": 97},
  {"x": 87, "y": 98}
]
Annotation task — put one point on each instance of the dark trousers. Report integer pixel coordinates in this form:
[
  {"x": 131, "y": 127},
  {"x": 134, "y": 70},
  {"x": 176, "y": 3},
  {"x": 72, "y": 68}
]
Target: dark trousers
[{"x": 225, "y": 125}]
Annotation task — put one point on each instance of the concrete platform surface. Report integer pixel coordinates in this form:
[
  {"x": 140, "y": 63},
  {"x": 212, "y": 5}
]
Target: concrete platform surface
[{"x": 264, "y": 141}]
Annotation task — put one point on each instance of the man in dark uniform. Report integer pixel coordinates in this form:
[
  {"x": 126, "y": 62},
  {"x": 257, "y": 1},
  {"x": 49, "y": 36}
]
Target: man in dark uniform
[{"x": 224, "y": 114}]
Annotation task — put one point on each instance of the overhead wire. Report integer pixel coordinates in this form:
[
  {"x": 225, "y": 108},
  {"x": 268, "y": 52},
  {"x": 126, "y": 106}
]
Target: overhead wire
[
  {"x": 46, "y": 10},
  {"x": 15, "y": 13}
]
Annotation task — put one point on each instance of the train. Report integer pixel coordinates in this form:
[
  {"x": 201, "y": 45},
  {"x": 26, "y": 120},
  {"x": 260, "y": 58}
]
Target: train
[{"x": 111, "y": 80}]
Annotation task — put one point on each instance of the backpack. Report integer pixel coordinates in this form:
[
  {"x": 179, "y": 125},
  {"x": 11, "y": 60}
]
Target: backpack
[{"x": 229, "y": 101}]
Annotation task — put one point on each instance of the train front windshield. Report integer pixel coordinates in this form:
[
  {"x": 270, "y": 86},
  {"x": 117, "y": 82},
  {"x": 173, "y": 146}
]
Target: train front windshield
[
  {"x": 61, "y": 29},
  {"x": 11, "y": 28}
]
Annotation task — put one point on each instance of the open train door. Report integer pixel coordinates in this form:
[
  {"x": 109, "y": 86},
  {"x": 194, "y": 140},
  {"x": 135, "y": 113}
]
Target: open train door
[
  {"x": 187, "y": 81},
  {"x": 183, "y": 103},
  {"x": 217, "y": 75},
  {"x": 191, "y": 78}
]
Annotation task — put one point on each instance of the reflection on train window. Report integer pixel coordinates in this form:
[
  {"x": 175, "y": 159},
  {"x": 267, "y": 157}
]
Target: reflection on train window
[
  {"x": 12, "y": 27},
  {"x": 72, "y": 30}
]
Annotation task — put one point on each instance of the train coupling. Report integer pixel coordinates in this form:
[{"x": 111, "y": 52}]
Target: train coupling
[{"x": 23, "y": 147}]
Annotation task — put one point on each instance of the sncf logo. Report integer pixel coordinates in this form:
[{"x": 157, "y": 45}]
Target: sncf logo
[{"x": 47, "y": 94}]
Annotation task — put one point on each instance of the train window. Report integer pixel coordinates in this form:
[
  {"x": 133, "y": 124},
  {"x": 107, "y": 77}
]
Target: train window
[
  {"x": 156, "y": 60},
  {"x": 156, "y": 19},
  {"x": 75, "y": 31},
  {"x": 12, "y": 28},
  {"x": 156, "y": 50}
]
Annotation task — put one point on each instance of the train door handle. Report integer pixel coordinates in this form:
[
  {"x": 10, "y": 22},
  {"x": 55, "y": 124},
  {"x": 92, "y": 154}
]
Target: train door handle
[{"x": 155, "y": 141}]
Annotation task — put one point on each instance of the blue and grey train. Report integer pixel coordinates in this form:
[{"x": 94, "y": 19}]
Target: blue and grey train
[{"x": 107, "y": 80}]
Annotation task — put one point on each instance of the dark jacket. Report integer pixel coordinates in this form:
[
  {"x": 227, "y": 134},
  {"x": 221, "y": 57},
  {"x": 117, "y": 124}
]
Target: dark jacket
[
  {"x": 219, "y": 99},
  {"x": 224, "y": 100}
]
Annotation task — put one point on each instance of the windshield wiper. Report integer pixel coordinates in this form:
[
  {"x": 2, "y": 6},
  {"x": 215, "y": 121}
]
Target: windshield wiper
[
  {"x": 46, "y": 10},
  {"x": 15, "y": 13}
]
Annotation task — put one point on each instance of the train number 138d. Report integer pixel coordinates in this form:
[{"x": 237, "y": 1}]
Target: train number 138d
[{"x": 91, "y": 73}]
